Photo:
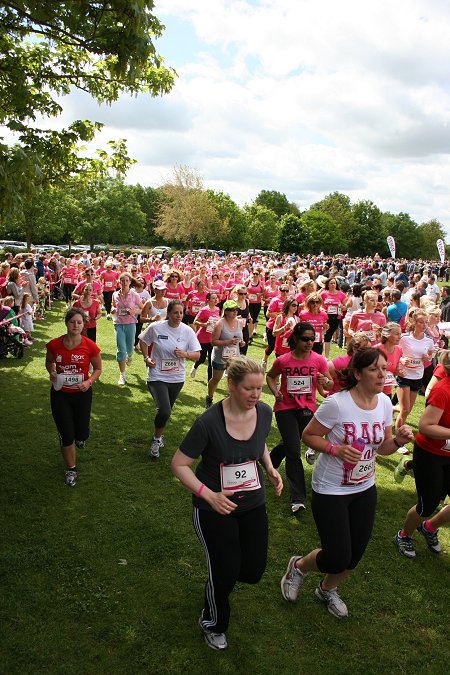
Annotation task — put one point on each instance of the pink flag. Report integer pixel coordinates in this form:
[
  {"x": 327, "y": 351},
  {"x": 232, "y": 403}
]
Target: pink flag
[{"x": 391, "y": 243}]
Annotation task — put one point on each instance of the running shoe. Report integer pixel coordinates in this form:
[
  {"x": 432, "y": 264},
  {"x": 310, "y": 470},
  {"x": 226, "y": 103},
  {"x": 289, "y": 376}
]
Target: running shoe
[
  {"x": 122, "y": 379},
  {"x": 193, "y": 372},
  {"x": 405, "y": 546},
  {"x": 400, "y": 470},
  {"x": 264, "y": 364},
  {"x": 403, "y": 450},
  {"x": 155, "y": 448},
  {"x": 80, "y": 444},
  {"x": 297, "y": 506},
  {"x": 129, "y": 359},
  {"x": 292, "y": 580},
  {"x": 208, "y": 402},
  {"x": 216, "y": 641},
  {"x": 431, "y": 538},
  {"x": 71, "y": 478},
  {"x": 336, "y": 606},
  {"x": 109, "y": 317},
  {"x": 310, "y": 456}
]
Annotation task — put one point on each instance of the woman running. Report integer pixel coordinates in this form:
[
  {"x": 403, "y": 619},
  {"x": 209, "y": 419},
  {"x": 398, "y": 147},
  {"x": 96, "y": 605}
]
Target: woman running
[
  {"x": 229, "y": 514},
  {"x": 126, "y": 303},
  {"x": 204, "y": 324},
  {"x": 334, "y": 304},
  {"x": 91, "y": 307},
  {"x": 357, "y": 425},
  {"x": 284, "y": 325},
  {"x": 317, "y": 317},
  {"x": 68, "y": 360}
]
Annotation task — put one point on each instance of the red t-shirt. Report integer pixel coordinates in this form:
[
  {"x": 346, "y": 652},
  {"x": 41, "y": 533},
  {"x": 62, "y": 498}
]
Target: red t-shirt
[
  {"x": 74, "y": 363},
  {"x": 440, "y": 398},
  {"x": 90, "y": 311}
]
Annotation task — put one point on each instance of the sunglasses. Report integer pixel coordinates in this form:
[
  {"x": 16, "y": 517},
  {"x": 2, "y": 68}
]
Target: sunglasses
[
  {"x": 294, "y": 304},
  {"x": 284, "y": 290},
  {"x": 314, "y": 302},
  {"x": 239, "y": 293},
  {"x": 305, "y": 338}
]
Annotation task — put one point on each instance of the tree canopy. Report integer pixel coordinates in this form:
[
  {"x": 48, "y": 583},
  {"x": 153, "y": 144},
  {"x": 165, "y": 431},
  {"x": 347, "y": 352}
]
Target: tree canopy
[{"x": 47, "y": 48}]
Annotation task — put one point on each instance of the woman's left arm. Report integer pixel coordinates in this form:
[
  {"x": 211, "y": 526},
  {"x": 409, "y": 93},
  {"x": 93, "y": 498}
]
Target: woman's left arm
[
  {"x": 272, "y": 474},
  {"x": 96, "y": 362},
  {"x": 392, "y": 443}
]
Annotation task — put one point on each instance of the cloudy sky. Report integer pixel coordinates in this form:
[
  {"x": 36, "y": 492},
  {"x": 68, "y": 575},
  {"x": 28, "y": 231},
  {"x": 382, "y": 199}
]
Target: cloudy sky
[{"x": 301, "y": 96}]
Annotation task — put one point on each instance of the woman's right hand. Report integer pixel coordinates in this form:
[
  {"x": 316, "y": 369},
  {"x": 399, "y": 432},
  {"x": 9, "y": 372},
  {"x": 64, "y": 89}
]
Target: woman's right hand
[
  {"x": 348, "y": 454},
  {"x": 220, "y": 502}
]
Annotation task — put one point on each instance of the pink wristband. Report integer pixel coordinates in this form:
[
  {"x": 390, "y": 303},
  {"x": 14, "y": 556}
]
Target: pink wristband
[
  {"x": 200, "y": 490},
  {"x": 90, "y": 382}
]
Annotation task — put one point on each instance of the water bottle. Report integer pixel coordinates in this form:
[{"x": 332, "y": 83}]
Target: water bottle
[{"x": 359, "y": 445}]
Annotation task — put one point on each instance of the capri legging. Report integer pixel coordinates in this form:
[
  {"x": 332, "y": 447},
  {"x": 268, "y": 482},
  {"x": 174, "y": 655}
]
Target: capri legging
[
  {"x": 107, "y": 297},
  {"x": 71, "y": 413},
  {"x": 125, "y": 333},
  {"x": 68, "y": 290},
  {"x": 270, "y": 342},
  {"x": 333, "y": 324},
  {"x": 344, "y": 523},
  {"x": 432, "y": 476},
  {"x": 205, "y": 354},
  {"x": 255, "y": 308},
  {"x": 164, "y": 395},
  {"x": 235, "y": 547}
]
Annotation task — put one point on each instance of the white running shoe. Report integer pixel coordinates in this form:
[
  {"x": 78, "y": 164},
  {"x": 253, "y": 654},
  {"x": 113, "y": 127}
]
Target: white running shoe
[
  {"x": 297, "y": 506},
  {"x": 292, "y": 580},
  {"x": 217, "y": 641},
  {"x": 71, "y": 478},
  {"x": 193, "y": 372},
  {"x": 122, "y": 379},
  {"x": 310, "y": 456},
  {"x": 157, "y": 444},
  {"x": 336, "y": 606}
]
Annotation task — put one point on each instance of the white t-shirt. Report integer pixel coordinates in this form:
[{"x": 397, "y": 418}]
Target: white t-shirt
[
  {"x": 412, "y": 348},
  {"x": 164, "y": 340},
  {"x": 347, "y": 422}
]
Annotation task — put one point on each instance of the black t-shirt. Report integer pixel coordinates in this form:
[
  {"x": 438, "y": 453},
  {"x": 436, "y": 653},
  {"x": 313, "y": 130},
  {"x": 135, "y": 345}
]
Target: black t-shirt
[{"x": 209, "y": 438}]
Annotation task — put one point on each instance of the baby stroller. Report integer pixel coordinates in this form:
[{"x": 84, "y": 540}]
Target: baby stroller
[{"x": 9, "y": 343}]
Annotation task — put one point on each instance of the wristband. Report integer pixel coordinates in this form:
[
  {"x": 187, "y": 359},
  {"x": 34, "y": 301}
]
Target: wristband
[
  {"x": 396, "y": 443},
  {"x": 90, "y": 382},
  {"x": 200, "y": 490}
]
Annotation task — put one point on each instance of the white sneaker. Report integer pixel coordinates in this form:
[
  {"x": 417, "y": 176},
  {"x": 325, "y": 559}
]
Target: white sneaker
[
  {"x": 297, "y": 506},
  {"x": 109, "y": 317},
  {"x": 157, "y": 444},
  {"x": 217, "y": 641},
  {"x": 403, "y": 450},
  {"x": 264, "y": 364},
  {"x": 310, "y": 456},
  {"x": 334, "y": 602},
  {"x": 122, "y": 379},
  {"x": 129, "y": 359},
  {"x": 292, "y": 580},
  {"x": 193, "y": 372}
]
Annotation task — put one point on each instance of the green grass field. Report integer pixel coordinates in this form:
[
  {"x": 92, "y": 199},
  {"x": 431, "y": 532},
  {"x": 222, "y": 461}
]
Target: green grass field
[{"x": 108, "y": 577}]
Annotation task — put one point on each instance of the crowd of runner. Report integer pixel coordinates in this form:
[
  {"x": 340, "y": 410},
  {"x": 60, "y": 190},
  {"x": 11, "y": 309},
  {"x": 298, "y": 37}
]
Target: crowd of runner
[{"x": 389, "y": 318}]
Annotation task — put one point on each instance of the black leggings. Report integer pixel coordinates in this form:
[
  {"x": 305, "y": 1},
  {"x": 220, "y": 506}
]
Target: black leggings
[
  {"x": 68, "y": 290},
  {"x": 107, "y": 297},
  {"x": 72, "y": 413},
  {"x": 344, "y": 523},
  {"x": 255, "y": 309},
  {"x": 205, "y": 354},
  {"x": 432, "y": 476},
  {"x": 333, "y": 324},
  {"x": 235, "y": 548},
  {"x": 91, "y": 333},
  {"x": 291, "y": 424},
  {"x": 164, "y": 395},
  {"x": 270, "y": 342}
]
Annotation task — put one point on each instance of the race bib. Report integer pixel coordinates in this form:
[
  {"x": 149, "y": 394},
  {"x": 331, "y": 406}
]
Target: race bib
[
  {"x": 108, "y": 284},
  {"x": 361, "y": 472},
  {"x": 239, "y": 477},
  {"x": 414, "y": 363},
  {"x": 252, "y": 297},
  {"x": 211, "y": 323},
  {"x": 298, "y": 385},
  {"x": 196, "y": 307},
  {"x": 317, "y": 336},
  {"x": 229, "y": 351},
  {"x": 332, "y": 309},
  {"x": 170, "y": 365},
  {"x": 71, "y": 379},
  {"x": 68, "y": 280},
  {"x": 370, "y": 334},
  {"x": 390, "y": 379},
  {"x": 285, "y": 342},
  {"x": 123, "y": 312}
]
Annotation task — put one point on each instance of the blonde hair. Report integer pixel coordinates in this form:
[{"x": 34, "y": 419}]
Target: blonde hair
[
  {"x": 240, "y": 366},
  {"x": 444, "y": 360},
  {"x": 413, "y": 315}
]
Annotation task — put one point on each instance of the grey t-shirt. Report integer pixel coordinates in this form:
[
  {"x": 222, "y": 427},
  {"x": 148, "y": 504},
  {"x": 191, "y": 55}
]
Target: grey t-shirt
[{"x": 209, "y": 438}]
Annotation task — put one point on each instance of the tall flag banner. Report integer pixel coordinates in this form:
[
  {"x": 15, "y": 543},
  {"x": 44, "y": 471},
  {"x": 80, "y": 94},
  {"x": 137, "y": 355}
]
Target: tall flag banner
[
  {"x": 391, "y": 243},
  {"x": 441, "y": 248}
]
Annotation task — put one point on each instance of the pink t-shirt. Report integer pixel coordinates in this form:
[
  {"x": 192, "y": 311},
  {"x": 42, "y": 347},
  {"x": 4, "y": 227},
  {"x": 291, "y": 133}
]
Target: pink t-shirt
[
  {"x": 69, "y": 276},
  {"x": 195, "y": 301},
  {"x": 275, "y": 305},
  {"x": 362, "y": 322},
  {"x": 316, "y": 320},
  {"x": 176, "y": 293},
  {"x": 331, "y": 302},
  {"x": 339, "y": 363},
  {"x": 96, "y": 287},
  {"x": 269, "y": 295},
  {"x": 109, "y": 280},
  {"x": 282, "y": 340},
  {"x": 90, "y": 311},
  {"x": 298, "y": 380},
  {"x": 391, "y": 366},
  {"x": 130, "y": 301},
  {"x": 204, "y": 335}
]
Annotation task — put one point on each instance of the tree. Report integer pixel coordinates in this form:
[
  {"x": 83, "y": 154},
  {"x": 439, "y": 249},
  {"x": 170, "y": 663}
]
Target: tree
[
  {"x": 367, "y": 235},
  {"x": 263, "y": 227},
  {"x": 101, "y": 47},
  {"x": 234, "y": 222},
  {"x": 338, "y": 206},
  {"x": 431, "y": 231},
  {"x": 149, "y": 200},
  {"x": 324, "y": 233},
  {"x": 276, "y": 202},
  {"x": 293, "y": 237},
  {"x": 407, "y": 235},
  {"x": 186, "y": 213}
]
